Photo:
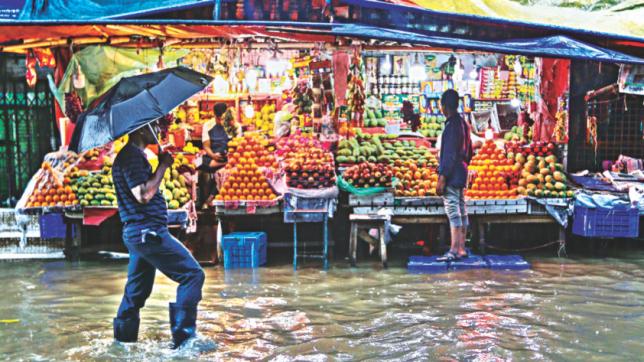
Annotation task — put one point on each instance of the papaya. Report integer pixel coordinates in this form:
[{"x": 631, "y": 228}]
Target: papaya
[
  {"x": 560, "y": 186},
  {"x": 570, "y": 193},
  {"x": 549, "y": 179},
  {"x": 550, "y": 186},
  {"x": 530, "y": 192},
  {"x": 538, "y": 193},
  {"x": 547, "y": 193},
  {"x": 544, "y": 171},
  {"x": 106, "y": 203}
]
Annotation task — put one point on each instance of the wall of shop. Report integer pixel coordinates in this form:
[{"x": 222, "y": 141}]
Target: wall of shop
[{"x": 27, "y": 129}]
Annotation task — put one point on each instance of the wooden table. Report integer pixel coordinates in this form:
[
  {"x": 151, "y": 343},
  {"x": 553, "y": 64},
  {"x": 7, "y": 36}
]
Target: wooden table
[{"x": 430, "y": 210}]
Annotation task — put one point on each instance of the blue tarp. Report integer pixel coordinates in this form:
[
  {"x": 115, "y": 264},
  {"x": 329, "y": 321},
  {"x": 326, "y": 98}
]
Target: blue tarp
[
  {"x": 554, "y": 46},
  {"x": 99, "y": 9}
]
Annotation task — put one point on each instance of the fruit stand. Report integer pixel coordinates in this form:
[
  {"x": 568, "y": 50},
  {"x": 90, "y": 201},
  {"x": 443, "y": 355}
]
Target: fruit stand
[{"x": 309, "y": 112}]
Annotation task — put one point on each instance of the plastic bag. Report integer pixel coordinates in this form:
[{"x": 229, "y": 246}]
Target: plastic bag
[{"x": 360, "y": 191}]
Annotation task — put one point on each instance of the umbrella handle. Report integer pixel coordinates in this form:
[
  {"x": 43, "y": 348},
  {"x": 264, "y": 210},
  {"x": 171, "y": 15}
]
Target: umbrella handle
[{"x": 161, "y": 148}]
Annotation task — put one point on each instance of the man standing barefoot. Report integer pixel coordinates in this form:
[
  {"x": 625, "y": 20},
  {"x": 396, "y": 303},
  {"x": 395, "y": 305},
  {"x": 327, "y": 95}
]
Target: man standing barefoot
[{"x": 455, "y": 155}]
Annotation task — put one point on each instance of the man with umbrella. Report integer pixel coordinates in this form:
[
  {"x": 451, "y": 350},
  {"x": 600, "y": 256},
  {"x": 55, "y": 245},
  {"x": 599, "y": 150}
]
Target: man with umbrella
[
  {"x": 143, "y": 211},
  {"x": 132, "y": 107}
]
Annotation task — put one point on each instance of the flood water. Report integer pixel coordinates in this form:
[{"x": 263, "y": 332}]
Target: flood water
[{"x": 562, "y": 309}]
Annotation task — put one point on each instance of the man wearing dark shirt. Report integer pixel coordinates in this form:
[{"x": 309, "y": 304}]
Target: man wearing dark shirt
[
  {"x": 144, "y": 214},
  {"x": 455, "y": 155}
]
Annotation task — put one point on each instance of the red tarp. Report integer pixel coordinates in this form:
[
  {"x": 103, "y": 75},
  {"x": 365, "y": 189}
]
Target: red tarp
[{"x": 30, "y": 33}]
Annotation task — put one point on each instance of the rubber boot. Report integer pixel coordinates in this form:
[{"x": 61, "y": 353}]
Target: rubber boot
[
  {"x": 126, "y": 330},
  {"x": 183, "y": 323}
]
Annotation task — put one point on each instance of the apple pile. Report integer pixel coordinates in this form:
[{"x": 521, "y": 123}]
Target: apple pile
[
  {"x": 414, "y": 181},
  {"x": 312, "y": 168},
  {"x": 369, "y": 174},
  {"x": 496, "y": 175},
  {"x": 294, "y": 144},
  {"x": 543, "y": 177},
  {"x": 251, "y": 147},
  {"x": 539, "y": 149}
]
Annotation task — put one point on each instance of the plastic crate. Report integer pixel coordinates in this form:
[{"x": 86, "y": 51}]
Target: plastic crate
[
  {"x": 52, "y": 226},
  {"x": 469, "y": 263},
  {"x": 426, "y": 265},
  {"x": 602, "y": 222},
  {"x": 244, "y": 250},
  {"x": 506, "y": 262}
]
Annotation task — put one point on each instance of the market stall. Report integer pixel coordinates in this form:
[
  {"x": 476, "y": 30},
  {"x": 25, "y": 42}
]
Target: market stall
[{"x": 308, "y": 111}]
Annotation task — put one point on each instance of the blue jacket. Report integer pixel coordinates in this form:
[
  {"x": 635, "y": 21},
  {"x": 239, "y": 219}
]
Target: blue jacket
[{"x": 456, "y": 152}]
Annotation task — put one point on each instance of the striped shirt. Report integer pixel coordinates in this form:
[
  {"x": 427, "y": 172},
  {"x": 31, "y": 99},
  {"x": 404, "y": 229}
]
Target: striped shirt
[{"x": 131, "y": 168}]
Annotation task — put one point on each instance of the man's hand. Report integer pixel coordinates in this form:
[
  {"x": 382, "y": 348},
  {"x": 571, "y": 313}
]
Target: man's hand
[
  {"x": 166, "y": 159},
  {"x": 218, "y": 156},
  {"x": 440, "y": 186}
]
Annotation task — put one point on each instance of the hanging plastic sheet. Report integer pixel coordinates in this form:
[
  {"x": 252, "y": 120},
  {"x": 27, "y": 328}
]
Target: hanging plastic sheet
[
  {"x": 83, "y": 9},
  {"x": 554, "y": 46},
  {"x": 103, "y": 66},
  {"x": 624, "y": 18}
]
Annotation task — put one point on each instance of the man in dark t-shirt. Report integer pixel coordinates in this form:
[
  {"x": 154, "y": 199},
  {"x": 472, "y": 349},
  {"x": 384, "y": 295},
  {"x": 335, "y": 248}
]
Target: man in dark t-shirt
[
  {"x": 455, "y": 156},
  {"x": 144, "y": 214}
]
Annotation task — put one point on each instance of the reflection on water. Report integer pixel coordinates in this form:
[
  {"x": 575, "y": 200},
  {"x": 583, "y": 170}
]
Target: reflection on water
[{"x": 562, "y": 309}]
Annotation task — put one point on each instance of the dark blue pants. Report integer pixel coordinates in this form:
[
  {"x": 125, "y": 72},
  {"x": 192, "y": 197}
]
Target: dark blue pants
[{"x": 161, "y": 251}]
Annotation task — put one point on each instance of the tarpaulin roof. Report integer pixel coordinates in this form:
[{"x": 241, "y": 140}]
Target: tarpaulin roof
[
  {"x": 96, "y": 9},
  {"x": 621, "y": 17},
  {"x": 554, "y": 46}
]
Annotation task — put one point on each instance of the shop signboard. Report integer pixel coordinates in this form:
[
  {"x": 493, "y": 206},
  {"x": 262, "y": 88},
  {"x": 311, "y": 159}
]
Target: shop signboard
[{"x": 631, "y": 79}]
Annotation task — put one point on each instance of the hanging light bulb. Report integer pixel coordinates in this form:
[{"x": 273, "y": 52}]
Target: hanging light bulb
[
  {"x": 251, "y": 79},
  {"x": 515, "y": 103},
  {"x": 474, "y": 73},
  {"x": 220, "y": 85},
  {"x": 386, "y": 65},
  {"x": 517, "y": 67},
  {"x": 417, "y": 72},
  {"x": 249, "y": 110}
]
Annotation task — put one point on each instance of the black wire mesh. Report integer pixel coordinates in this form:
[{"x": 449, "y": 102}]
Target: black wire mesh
[{"x": 620, "y": 129}]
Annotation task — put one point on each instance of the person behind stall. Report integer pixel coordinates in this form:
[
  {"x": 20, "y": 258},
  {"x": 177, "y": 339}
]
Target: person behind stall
[
  {"x": 143, "y": 211},
  {"x": 455, "y": 155},
  {"x": 215, "y": 145}
]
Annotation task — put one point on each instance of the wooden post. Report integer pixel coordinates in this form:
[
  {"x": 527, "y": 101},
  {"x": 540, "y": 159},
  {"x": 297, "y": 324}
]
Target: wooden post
[
  {"x": 353, "y": 243},
  {"x": 383, "y": 246}
]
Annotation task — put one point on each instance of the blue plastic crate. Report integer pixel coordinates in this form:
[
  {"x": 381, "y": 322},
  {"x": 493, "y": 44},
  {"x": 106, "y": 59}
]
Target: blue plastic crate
[
  {"x": 506, "y": 262},
  {"x": 469, "y": 263},
  {"x": 244, "y": 250},
  {"x": 52, "y": 226},
  {"x": 426, "y": 265},
  {"x": 602, "y": 222}
]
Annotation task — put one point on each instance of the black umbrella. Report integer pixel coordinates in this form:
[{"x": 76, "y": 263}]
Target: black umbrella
[{"x": 135, "y": 102}]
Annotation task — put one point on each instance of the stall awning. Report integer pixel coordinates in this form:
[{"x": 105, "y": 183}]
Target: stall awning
[
  {"x": 553, "y": 46},
  {"x": 623, "y": 18},
  {"x": 84, "y": 10}
]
